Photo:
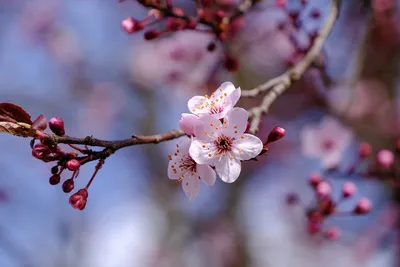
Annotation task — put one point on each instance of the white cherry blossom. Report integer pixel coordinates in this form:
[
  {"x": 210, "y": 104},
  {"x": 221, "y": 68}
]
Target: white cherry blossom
[
  {"x": 187, "y": 123},
  {"x": 224, "y": 145},
  {"x": 218, "y": 104},
  {"x": 185, "y": 170}
]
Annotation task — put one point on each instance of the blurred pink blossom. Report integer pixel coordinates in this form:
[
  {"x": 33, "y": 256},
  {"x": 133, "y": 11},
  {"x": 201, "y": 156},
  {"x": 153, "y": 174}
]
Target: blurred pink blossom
[
  {"x": 326, "y": 141},
  {"x": 359, "y": 101},
  {"x": 179, "y": 61}
]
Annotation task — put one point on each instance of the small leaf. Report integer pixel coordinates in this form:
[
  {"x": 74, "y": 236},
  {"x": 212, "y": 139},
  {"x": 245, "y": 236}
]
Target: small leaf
[
  {"x": 40, "y": 123},
  {"x": 12, "y": 113},
  {"x": 18, "y": 129}
]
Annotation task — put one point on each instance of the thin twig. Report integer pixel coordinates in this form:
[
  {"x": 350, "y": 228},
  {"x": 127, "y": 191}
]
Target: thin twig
[{"x": 280, "y": 84}]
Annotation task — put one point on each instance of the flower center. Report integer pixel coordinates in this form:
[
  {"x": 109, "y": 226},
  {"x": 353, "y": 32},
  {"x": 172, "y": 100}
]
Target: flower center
[
  {"x": 216, "y": 109},
  {"x": 188, "y": 164},
  {"x": 223, "y": 144}
]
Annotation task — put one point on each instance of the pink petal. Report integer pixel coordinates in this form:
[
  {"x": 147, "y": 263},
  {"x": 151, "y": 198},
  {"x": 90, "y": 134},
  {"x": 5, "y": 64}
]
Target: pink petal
[
  {"x": 235, "y": 122},
  {"x": 188, "y": 122},
  {"x": 197, "y": 106},
  {"x": 191, "y": 186},
  {"x": 206, "y": 174},
  {"x": 228, "y": 169},
  {"x": 208, "y": 128},
  {"x": 247, "y": 147},
  {"x": 203, "y": 152},
  {"x": 182, "y": 151}
]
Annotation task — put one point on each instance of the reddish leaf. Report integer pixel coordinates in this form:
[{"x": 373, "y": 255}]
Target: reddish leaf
[
  {"x": 12, "y": 113},
  {"x": 40, "y": 123}
]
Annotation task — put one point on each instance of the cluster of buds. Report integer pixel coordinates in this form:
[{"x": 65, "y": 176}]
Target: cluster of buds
[
  {"x": 293, "y": 27},
  {"x": 325, "y": 206},
  {"x": 220, "y": 18},
  {"x": 47, "y": 151},
  {"x": 379, "y": 164}
]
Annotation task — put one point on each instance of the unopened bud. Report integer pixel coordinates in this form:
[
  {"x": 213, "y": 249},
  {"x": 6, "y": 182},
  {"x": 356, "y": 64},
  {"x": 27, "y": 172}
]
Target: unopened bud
[
  {"x": 314, "y": 179},
  {"x": 54, "y": 169},
  {"x": 276, "y": 134},
  {"x": 73, "y": 165},
  {"x": 365, "y": 150},
  {"x": 324, "y": 189},
  {"x": 40, "y": 151},
  {"x": 385, "y": 158},
  {"x": 68, "y": 185},
  {"x": 56, "y": 125},
  {"x": 363, "y": 206},
  {"x": 79, "y": 199},
  {"x": 54, "y": 179},
  {"x": 130, "y": 25},
  {"x": 333, "y": 233},
  {"x": 348, "y": 189},
  {"x": 151, "y": 34}
]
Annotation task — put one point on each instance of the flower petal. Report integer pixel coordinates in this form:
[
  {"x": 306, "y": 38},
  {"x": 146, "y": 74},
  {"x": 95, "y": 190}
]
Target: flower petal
[
  {"x": 191, "y": 186},
  {"x": 182, "y": 151},
  {"x": 207, "y": 128},
  {"x": 206, "y": 174},
  {"x": 203, "y": 152},
  {"x": 228, "y": 169},
  {"x": 235, "y": 122},
  {"x": 188, "y": 122},
  {"x": 247, "y": 147},
  {"x": 223, "y": 99},
  {"x": 197, "y": 106}
]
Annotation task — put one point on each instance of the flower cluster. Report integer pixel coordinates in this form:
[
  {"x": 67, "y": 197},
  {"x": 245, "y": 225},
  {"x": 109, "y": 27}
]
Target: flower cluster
[
  {"x": 216, "y": 142},
  {"x": 220, "y": 19},
  {"x": 325, "y": 206}
]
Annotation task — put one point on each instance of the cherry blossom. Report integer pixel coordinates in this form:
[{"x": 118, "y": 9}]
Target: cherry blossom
[
  {"x": 184, "y": 169},
  {"x": 187, "y": 122},
  {"x": 224, "y": 145},
  {"x": 326, "y": 141},
  {"x": 218, "y": 104}
]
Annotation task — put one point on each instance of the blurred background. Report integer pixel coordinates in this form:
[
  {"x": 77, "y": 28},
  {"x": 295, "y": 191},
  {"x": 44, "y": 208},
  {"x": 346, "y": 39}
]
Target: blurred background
[{"x": 71, "y": 59}]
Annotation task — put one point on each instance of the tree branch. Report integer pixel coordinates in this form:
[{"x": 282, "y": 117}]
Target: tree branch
[{"x": 280, "y": 84}]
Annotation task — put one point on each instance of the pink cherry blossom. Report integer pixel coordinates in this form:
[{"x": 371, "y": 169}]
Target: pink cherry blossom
[
  {"x": 218, "y": 104},
  {"x": 187, "y": 123},
  {"x": 224, "y": 145},
  {"x": 326, "y": 141},
  {"x": 184, "y": 169}
]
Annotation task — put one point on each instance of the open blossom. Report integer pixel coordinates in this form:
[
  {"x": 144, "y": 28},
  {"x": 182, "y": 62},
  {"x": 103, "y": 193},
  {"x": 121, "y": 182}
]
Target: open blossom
[
  {"x": 326, "y": 141},
  {"x": 224, "y": 145},
  {"x": 218, "y": 104},
  {"x": 184, "y": 169}
]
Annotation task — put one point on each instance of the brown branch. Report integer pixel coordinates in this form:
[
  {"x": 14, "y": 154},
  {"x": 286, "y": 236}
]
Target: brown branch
[{"x": 280, "y": 84}]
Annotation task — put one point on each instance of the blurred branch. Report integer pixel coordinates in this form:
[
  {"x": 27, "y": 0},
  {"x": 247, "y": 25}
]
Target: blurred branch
[{"x": 278, "y": 85}]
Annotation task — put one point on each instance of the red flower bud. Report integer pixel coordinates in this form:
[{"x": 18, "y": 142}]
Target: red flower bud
[
  {"x": 324, "y": 189},
  {"x": 191, "y": 24},
  {"x": 56, "y": 125},
  {"x": 130, "y": 25},
  {"x": 365, "y": 150},
  {"x": 73, "y": 165},
  {"x": 363, "y": 206},
  {"x": 68, "y": 186},
  {"x": 348, "y": 189},
  {"x": 385, "y": 158},
  {"x": 276, "y": 134},
  {"x": 79, "y": 199},
  {"x": 40, "y": 151},
  {"x": 54, "y": 169},
  {"x": 314, "y": 179},
  {"x": 54, "y": 179},
  {"x": 151, "y": 34},
  {"x": 333, "y": 233}
]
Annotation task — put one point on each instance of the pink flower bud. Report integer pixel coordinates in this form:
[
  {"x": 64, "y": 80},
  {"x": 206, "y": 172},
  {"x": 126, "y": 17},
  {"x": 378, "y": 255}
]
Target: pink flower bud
[
  {"x": 276, "y": 134},
  {"x": 130, "y": 25},
  {"x": 79, "y": 199},
  {"x": 314, "y": 179},
  {"x": 385, "y": 158},
  {"x": 73, "y": 165},
  {"x": 324, "y": 189},
  {"x": 333, "y": 233},
  {"x": 280, "y": 3},
  {"x": 151, "y": 34},
  {"x": 348, "y": 189},
  {"x": 40, "y": 151},
  {"x": 365, "y": 150},
  {"x": 56, "y": 125},
  {"x": 363, "y": 206},
  {"x": 54, "y": 179},
  {"x": 68, "y": 186}
]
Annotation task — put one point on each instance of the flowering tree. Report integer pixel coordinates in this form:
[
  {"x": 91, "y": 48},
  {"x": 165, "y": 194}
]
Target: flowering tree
[{"x": 208, "y": 46}]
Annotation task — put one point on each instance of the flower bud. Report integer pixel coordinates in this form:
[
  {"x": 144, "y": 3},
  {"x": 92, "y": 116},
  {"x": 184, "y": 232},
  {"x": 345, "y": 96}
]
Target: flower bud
[
  {"x": 385, "y": 158},
  {"x": 365, "y": 150},
  {"x": 324, "y": 189},
  {"x": 79, "y": 199},
  {"x": 314, "y": 179},
  {"x": 363, "y": 206},
  {"x": 56, "y": 125},
  {"x": 348, "y": 189},
  {"x": 68, "y": 186},
  {"x": 333, "y": 233},
  {"x": 151, "y": 34},
  {"x": 191, "y": 24},
  {"x": 276, "y": 134},
  {"x": 73, "y": 165},
  {"x": 54, "y": 179},
  {"x": 54, "y": 169},
  {"x": 40, "y": 151},
  {"x": 130, "y": 25}
]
